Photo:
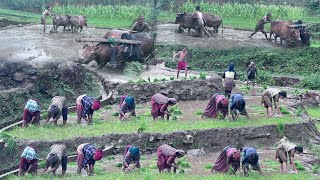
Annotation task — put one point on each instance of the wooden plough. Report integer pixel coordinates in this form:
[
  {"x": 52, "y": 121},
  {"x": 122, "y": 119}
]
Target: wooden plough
[{"x": 109, "y": 40}]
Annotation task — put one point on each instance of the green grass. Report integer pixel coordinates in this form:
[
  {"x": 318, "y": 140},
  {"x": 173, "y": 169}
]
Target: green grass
[
  {"x": 314, "y": 112},
  {"x": 28, "y": 17},
  {"x": 51, "y": 132},
  {"x": 156, "y": 176},
  {"x": 19, "y": 16},
  {"x": 208, "y": 166},
  {"x": 110, "y": 23}
]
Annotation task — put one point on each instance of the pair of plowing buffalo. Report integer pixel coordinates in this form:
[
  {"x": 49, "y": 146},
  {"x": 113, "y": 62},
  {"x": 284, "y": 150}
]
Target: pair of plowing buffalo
[
  {"x": 289, "y": 34},
  {"x": 278, "y": 28},
  {"x": 75, "y": 22},
  {"x": 186, "y": 21},
  {"x": 115, "y": 56}
]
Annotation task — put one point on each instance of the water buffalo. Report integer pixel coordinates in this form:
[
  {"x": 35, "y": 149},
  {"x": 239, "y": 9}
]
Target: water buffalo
[
  {"x": 77, "y": 22},
  {"x": 101, "y": 52},
  {"x": 128, "y": 52},
  {"x": 213, "y": 21},
  {"x": 305, "y": 36},
  {"x": 281, "y": 29},
  {"x": 186, "y": 21},
  {"x": 61, "y": 20}
]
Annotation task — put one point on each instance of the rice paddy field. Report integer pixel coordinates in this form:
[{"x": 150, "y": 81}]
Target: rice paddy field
[
  {"x": 183, "y": 118},
  {"x": 187, "y": 114}
]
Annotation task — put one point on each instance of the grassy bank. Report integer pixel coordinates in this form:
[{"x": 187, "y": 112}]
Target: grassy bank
[
  {"x": 314, "y": 113},
  {"x": 19, "y": 17},
  {"x": 165, "y": 176},
  {"x": 297, "y": 61},
  {"x": 140, "y": 123}
]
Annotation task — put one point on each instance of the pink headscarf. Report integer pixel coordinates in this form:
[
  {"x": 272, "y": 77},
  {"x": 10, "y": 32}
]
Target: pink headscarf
[
  {"x": 224, "y": 102},
  {"x": 96, "y": 105},
  {"x": 98, "y": 155}
]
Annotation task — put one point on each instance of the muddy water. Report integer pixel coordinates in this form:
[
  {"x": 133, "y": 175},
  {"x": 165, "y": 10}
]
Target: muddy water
[
  {"x": 231, "y": 38},
  {"x": 149, "y": 72},
  {"x": 29, "y": 43}
]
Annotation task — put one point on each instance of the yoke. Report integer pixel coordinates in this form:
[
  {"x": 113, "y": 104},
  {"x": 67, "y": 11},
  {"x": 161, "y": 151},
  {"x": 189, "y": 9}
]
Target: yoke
[{"x": 109, "y": 40}]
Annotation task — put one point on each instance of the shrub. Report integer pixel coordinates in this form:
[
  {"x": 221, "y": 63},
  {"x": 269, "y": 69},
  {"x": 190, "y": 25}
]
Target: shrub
[
  {"x": 175, "y": 110},
  {"x": 284, "y": 109},
  {"x": 10, "y": 142},
  {"x": 119, "y": 165},
  {"x": 155, "y": 80},
  {"x": 183, "y": 162},
  {"x": 141, "y": 81},
  {"x": 110, "y": 157},
  {"x": 115, "y": 114},
  {"x": 172, "y": 78},
  {"x": 203, "y": 75},
  {"x": 315, "y": 169},
  {"x": 299, "y": 166},
  {"x": 193, "y": 77},
  {"x": 133, "y": 68},
  {"x": 280, "y": 128},
  {"x": 142, "y": 126},
  {"x": 208, "y": 166},
  {"x": 198, "y": 112},
  {"x": 299, "y": 111},
  {"x": 311, "y": 82}
]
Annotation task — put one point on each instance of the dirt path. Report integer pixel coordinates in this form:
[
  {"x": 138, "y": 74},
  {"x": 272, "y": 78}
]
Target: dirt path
[
  {"x": 231, "y": 38},
  {"x": 29, "y": 43}
]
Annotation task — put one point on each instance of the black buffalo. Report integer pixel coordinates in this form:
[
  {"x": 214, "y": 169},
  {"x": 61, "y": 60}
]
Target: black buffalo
[
  {"x": 131, "y": 52},
  {"x": 305, "y": 36},
  {"x": 186, "y": 21}
]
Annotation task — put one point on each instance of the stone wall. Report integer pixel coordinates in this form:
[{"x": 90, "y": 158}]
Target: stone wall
[
  {"x": 181, "y": 90},
  {"x": 211, "y": 140},
  {"x": 286, "y": 80}
]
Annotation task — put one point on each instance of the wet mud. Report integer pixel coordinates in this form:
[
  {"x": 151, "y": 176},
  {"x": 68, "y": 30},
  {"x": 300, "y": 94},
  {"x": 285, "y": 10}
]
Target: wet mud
[
  {"x": 29, "y": 43},
  {"x": 231, "y": 38}
]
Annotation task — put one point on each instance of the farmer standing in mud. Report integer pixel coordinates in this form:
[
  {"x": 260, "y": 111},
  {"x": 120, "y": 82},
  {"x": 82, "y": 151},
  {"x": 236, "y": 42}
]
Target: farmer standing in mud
[
  {"x": 269, "y": 95},
  {"x": 252, "y": 73},
  {"x": 229, "y": 75},
  {"x": 140, "y": 25},
  {"x": 45, "y": 14},
  {"x": 182, "y": 63},
  {"x": 261, "y": 23},
  {"x": 199, "y": 17},
  {"x": 284, "y": 149}
]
